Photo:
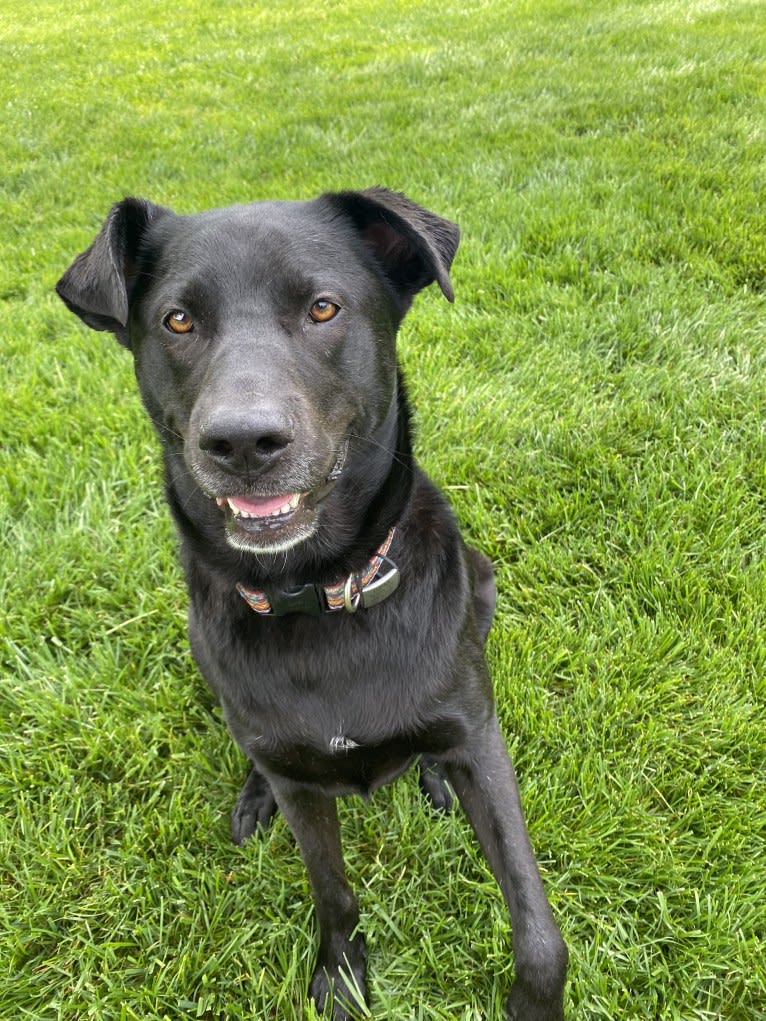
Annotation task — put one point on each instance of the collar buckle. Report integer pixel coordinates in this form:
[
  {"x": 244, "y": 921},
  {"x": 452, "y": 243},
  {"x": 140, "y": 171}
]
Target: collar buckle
[{"x": 308, "y": 599}]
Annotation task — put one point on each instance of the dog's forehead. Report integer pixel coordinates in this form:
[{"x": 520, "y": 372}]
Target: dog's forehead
[{"x": 259, "y": 234}]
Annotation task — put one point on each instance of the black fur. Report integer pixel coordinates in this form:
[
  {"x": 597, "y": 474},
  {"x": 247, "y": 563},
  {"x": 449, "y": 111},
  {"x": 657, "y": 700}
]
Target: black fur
[{"x": 263, "y": 398}]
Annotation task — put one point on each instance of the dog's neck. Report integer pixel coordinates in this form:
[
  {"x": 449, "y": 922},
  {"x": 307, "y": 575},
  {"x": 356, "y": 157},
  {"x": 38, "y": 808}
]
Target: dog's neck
[{"x": 388, "y": 464}]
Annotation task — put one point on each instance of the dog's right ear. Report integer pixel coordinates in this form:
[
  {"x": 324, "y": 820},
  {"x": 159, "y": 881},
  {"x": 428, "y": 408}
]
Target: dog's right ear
[{"x": 98, "y": 285}]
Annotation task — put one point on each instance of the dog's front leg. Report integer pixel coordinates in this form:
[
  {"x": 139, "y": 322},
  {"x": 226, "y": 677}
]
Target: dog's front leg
[
  {"x": 341, "y": 962},
  {"x": 485, "y": 783}
]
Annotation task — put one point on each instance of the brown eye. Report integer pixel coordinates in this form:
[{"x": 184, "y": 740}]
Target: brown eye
[
  {"x": 178, "y": 321},
  {"x": 323, "y": 311}
]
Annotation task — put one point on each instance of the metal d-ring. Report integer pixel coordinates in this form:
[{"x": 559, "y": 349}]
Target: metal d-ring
[{"x": 350, "y": 601}]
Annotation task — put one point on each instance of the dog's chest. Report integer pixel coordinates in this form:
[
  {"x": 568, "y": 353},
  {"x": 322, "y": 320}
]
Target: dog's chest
[
  {"x": 340, "y": 714},
  {"x": 347, "y": 703},
  {"x": 339, "y": 770},
  {"x": 344, "y": 737}
]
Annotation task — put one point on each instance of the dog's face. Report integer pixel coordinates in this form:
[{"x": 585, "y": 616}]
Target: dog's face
[
  {"x": 255, "y": 320},
  {"x": 264, "y": 338}
]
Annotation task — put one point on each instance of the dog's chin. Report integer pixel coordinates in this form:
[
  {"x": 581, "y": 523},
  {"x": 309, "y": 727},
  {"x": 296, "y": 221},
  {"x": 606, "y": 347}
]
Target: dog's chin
[{"x": 268, "y": 524}]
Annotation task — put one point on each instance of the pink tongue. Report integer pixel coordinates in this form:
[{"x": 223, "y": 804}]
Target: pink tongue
[{"x": 259, "y": 508}]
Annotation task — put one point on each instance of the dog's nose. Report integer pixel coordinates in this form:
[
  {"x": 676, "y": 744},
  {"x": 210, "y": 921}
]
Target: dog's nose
[{"x": 246, "y": 442}]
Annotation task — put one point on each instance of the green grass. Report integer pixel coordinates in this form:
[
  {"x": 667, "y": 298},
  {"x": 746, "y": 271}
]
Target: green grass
[{"x": 593, "y": 403}]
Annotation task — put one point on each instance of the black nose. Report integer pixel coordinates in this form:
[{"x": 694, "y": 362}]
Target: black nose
[{"x": 246, "y": 442}]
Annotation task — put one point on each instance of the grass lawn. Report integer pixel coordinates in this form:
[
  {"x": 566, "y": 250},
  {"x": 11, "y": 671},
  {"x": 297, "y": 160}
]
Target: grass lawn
[{"x": 594, "y": 404}]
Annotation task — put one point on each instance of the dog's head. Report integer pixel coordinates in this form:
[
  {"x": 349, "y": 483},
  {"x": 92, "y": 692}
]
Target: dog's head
[{"x": 264, "y": 339}]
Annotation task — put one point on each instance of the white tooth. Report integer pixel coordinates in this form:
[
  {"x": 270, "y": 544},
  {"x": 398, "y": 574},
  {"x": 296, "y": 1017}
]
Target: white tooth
[
  {"x": 286, "y": 508},
  {"x": 237, "y": 512}
]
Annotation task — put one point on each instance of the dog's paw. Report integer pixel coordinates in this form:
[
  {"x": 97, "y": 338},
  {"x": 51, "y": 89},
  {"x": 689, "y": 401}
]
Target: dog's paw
[
  {"x": 343, "y": 984},
  {"x": 433, "y": 784},
  {"x": 254, "y": 808}
]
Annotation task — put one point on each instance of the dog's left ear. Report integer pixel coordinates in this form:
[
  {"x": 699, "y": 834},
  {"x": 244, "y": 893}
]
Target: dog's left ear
[{"x": 414, "y": 246}]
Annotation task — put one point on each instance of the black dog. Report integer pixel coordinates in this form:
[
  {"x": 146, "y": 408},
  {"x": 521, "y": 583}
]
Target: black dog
[{"x": 334, "y": 608}]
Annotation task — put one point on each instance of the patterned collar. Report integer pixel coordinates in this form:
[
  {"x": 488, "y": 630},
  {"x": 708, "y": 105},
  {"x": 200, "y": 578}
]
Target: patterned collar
[{"x": 361, "y": 588}]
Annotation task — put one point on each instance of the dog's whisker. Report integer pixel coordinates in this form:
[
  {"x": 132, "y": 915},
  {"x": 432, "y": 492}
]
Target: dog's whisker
[{"x": 371, "y": 441}]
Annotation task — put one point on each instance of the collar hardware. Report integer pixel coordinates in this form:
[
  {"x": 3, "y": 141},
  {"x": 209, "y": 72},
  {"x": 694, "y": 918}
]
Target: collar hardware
[
  {"x": 304, "y": 599},
  {"x": 360, "y": 589}
]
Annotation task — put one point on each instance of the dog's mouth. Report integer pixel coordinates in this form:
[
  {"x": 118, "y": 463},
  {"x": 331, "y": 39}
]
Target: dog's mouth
[
  {"x": 268, "y": 524},
  {"x": 264, "y": 511},
  {"x": 272, "y": 523}
]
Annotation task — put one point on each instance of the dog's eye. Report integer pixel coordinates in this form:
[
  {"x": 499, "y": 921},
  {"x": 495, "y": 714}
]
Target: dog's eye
[
  {"x": 323, "y": 311},
  {"x": 178, "y": 321}
]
